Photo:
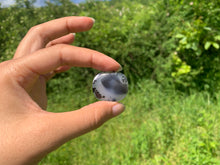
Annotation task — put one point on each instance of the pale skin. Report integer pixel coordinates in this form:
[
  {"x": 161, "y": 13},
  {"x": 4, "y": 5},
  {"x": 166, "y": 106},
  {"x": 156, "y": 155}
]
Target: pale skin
[{"x": 27, "y": 131}]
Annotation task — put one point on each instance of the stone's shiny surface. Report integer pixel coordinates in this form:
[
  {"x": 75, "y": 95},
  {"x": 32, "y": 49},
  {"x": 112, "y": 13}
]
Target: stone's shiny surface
[{"x": 110, "y": 86}]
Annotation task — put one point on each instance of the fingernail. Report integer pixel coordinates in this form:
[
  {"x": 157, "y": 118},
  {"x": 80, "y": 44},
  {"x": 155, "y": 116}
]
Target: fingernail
[
  {"x": 92, "y": 19},
  {"x": 119, "y": 69},
  {"x": 118, "y": 109},
  {"x": 74, "y": 34}
]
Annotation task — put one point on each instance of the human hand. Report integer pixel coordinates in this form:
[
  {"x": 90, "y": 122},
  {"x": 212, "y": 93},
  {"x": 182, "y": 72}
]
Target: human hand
[{"x": 27, "y": 131}]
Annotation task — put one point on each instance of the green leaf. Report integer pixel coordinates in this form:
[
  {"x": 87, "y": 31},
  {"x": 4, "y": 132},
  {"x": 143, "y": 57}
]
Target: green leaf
[
  {"x": 215, "y": 45},
  {"x": 179, "y": 36},
  {"x": 188, "y": 46},
  {"x": 195, "y": 46},
  {"x": 208, "y": 28},
  {"x": 207, "y": 45},
  {"x": 217, "y": 38},
  {"x": 183, "y": 41}
]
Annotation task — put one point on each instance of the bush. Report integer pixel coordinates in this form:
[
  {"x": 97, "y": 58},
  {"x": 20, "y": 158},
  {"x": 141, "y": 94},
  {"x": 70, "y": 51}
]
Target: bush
[
  {"x": 171, "y": 42},
  {"x": 198, "y": 41}
]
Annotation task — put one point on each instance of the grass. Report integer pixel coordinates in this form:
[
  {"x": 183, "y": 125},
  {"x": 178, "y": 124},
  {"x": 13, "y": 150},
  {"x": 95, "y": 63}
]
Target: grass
[{"x": 158, "y": 127}]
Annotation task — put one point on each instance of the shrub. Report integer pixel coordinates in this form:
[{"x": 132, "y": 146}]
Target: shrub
[{"x": 171, "y": 42}]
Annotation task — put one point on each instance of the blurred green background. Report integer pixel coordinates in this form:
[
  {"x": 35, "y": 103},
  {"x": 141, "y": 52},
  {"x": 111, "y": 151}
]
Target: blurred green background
[{"x": 170, "y": 53}]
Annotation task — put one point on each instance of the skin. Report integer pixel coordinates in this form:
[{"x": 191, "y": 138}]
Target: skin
[{"x": 27, "y": 131}]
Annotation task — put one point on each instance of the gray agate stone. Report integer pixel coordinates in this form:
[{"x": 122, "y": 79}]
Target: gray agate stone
[{"x": 110, "y": 86}]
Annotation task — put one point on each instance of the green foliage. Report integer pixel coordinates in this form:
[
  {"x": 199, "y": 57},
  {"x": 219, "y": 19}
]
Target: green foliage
[
  {"x": 163, "y": 45},
  {"x": 142, "y": 36},
  {"x": 159, "y": 126},
  {"x": 198, "y": 45}
]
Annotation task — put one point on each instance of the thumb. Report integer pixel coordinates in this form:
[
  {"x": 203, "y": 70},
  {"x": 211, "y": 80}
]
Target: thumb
[{"x": 65, "y": 126}]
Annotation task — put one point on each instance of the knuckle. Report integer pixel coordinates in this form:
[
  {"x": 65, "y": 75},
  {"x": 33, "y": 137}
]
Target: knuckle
[
  {"x": 38, "y": 31},
  {"x": 96, "y": 121},
  {"x": 92, "y": 59},
  {"x": 35, "y": 29},
  {"x": 60, "y": 48},
  {"x": 92, "y": 119},
  {"x": 99, "y": 116}
]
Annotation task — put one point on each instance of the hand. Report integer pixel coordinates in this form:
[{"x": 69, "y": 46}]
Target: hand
[{"x": 27, "y": 131}]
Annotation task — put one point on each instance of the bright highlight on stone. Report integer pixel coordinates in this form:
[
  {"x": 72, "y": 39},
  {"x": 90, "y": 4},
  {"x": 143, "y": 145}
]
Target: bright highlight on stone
[{"x": 110, "y": 86}]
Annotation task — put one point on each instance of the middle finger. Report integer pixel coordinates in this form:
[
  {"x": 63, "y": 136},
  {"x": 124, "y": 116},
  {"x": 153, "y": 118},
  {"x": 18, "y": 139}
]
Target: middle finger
[{"x": 39, "y": 36}]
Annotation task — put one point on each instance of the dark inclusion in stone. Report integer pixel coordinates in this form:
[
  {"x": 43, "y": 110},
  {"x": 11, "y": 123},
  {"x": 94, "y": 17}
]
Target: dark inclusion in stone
[
  {"x": 98, "y": 95},
  {"x": 113, "y": 83}
]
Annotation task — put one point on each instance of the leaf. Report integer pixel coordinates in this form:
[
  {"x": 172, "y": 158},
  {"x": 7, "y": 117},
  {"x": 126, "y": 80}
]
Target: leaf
[
  {"x": 183, "y": 41},
  {"x": 179, "y": 36},
  {"x": 188, "y": 46},
  {"x": 208, "y": 28},
  {"x": 212, "y": 145},
  {"x": 217, "y": 38},
  {"x": 195, "y": 46},
  {"x": 207, "y": 45},
  {"x": 215, "y": 45}
]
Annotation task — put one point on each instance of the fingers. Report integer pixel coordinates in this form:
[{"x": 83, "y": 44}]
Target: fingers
[
  {"x": 46, "y": 60},
  {"x": 39, "y": 36},
  {"x": 27, "y": 69},
  {"x": 58, "y": 128},
  {"x": 67, "y": 39},
  {"x": 68, "y": 125}
]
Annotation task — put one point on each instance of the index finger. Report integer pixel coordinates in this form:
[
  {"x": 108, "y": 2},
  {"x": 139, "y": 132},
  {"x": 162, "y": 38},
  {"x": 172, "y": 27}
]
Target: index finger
[
  {"x": 39, "y": 35},
  {"x": 48, "y": 59}
]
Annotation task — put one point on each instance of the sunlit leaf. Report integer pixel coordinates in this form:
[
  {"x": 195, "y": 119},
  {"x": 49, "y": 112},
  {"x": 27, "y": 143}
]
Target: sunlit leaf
[
  {"x": 217, "y": 38},
  {"x": 179, "y": 36},
  {"x": 215, "y": 45},
  {"x": 207, "y": 45},
  {"x": 208, "y": 28}
]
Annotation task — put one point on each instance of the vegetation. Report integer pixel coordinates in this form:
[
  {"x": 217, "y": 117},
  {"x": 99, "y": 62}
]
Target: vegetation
[
  {"x": 169, "y": 51},
  {"x": 159, "y": 126}
]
